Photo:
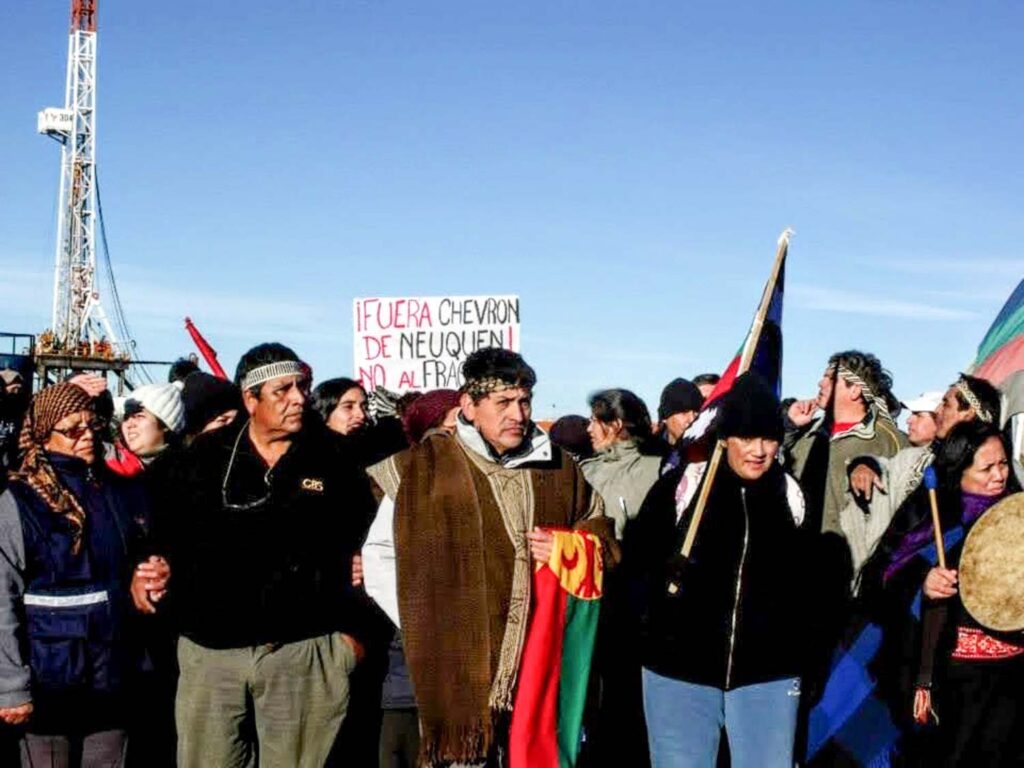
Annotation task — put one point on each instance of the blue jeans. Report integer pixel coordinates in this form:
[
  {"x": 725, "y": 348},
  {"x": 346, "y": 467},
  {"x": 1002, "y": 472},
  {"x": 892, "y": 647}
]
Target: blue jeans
[{"x": 684, "y": 722}]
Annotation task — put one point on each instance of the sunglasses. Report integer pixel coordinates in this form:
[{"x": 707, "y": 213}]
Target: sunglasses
[{"x": 78, "y": 431}]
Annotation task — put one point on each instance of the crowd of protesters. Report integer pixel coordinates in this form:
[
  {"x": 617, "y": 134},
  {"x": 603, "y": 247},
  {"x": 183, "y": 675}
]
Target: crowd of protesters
[{"x": 259, "y": 572}]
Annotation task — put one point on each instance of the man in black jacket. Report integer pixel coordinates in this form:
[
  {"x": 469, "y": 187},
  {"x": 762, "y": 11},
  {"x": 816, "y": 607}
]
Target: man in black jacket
[
  {"x": 259, "y": 522},
  {"x": 721, "y": 633}
]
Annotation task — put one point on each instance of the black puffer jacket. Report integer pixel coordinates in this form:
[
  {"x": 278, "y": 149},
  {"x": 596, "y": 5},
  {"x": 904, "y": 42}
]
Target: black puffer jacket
[{"x": 737, "y": 616}]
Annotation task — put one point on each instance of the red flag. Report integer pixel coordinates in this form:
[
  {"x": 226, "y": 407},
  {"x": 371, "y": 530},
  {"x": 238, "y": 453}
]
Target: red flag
[{"x": 208, "y": 352}]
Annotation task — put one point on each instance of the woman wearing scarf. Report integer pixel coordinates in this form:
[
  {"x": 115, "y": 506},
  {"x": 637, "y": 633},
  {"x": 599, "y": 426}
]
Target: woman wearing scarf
[
  {"x": 937, "y": 658},
  {"x": 67, "y": 531}
]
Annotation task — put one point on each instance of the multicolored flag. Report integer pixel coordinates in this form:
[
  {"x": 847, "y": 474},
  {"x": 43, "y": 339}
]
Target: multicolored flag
[
  {"x": 1001, "y": 352},
  {"x": 761, "y": 350},
  {"x": 547, "y": 714}
]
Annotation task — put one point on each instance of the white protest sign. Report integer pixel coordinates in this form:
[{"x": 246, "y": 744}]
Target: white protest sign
[{"x": 420, "y": 342}]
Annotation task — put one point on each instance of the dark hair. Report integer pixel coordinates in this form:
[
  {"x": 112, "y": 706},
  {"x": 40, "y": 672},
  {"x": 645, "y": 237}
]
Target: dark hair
[
  {"x": 611, "y": 404},
  {"x": 181, "y": 368},
  {"x": 869, "y": 368},
  {"x": 987, "y": 395},
  {"x": 498, "y": 363},
  {"x": 956, "y": 454},
  {"x": 706, "y": 378},
  {"x": 262, "y": 354},
  {"x": 325, "y": 397},
  {"x": 570, "y": 434}
]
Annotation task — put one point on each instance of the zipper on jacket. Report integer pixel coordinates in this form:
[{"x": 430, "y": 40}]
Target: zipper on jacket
[{"x": 739, "y": 580}]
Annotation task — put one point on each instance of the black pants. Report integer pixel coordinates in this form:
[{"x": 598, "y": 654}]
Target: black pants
[
  {"x": 399, "y": 738},
  {"x": 616, "y": 732},
  {"x": 358, "y": 742},
  {"x": 980, "y": 707},
  {"x": 103, "y": 749}
]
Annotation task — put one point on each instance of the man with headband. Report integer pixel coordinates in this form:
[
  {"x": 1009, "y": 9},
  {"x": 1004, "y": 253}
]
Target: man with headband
[
  {"x": 467, "y": 512},
  {"x": 259, "y": 524},
  {"x": 857, "y": 410},
  {"x": 879, "y": 485}
]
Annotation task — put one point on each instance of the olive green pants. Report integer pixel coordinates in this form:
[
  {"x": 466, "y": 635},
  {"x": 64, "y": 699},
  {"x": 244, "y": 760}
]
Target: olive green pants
[{"x": 284, "y": 704}]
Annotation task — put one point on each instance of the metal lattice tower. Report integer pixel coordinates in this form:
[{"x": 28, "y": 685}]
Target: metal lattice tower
[{"x": 79, "y": 324}]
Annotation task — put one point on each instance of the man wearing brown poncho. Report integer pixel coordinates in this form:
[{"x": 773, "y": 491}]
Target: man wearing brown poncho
[{"x": 467, "y": 513}]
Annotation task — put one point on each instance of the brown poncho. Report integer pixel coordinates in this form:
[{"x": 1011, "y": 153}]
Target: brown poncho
[{"x": 463, "y": 580}]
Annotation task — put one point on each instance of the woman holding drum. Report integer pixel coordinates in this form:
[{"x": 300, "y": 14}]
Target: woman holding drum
[{"x": 966, "y": 669}]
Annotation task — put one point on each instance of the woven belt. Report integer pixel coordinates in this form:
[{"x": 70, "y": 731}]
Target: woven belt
[{"x": 974, "y": 645}]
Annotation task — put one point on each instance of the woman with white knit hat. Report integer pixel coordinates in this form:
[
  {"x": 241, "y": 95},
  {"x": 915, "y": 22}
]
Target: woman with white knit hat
[{"x": 153, "y": 418}]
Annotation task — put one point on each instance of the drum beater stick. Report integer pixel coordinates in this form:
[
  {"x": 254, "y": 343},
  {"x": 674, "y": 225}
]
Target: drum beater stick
[{"x": 931, "y": 482}]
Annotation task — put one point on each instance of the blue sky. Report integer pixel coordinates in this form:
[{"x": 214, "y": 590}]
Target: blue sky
[{"x": 624, "y": 167}]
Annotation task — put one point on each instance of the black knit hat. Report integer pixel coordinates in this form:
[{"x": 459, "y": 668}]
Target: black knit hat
[
  {"x": 205, "y": 397},
  {"x": 679, "y": 396},
  {"x": 750, "y": 409}
]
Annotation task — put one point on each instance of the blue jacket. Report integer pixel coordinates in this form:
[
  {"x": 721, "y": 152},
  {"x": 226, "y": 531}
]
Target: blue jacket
[{"x": 71, "y": 607}]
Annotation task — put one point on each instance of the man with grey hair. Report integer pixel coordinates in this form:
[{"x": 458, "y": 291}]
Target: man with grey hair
[{"x": 259, "y": 523}]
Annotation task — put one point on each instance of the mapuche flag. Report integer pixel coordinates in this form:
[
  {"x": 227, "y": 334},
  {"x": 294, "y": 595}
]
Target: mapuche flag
[
  {"x": 555, "y": 668},
  {"x": 1001, "y": 352},
  {"x": 761, "y": 351}
]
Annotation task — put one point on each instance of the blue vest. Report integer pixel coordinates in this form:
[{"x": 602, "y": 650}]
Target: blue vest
[{"x": 76, "y": 602}]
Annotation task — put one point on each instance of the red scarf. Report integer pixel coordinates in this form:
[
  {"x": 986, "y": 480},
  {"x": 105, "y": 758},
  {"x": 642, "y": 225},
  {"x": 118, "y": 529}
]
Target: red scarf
[{"x": 124, "y": 463}]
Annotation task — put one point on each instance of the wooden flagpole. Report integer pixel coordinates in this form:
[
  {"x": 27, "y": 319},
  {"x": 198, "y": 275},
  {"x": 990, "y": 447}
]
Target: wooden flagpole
[{"x": 748, "y": 357}]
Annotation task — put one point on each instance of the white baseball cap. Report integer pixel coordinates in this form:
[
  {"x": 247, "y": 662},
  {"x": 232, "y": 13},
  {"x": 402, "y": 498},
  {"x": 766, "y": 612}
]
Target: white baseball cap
[{"x": 926, "y": 402}]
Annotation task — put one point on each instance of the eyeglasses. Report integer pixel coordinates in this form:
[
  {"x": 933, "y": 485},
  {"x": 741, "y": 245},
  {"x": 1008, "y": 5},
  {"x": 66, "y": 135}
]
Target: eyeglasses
[{"x": 78, "y": 431}]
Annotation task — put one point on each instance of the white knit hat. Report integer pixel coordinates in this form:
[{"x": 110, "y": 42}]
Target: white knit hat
[{"x": 163, "y": 401}]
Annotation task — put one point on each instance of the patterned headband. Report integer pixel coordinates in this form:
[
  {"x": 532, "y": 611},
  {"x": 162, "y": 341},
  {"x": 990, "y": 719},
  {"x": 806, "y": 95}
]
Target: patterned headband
[
  {"x": 478, "y": 388},
  {"x": 972, "y": 400},
  {"x": 866, "y": 392},
  {"x": 264, "y": 373}
]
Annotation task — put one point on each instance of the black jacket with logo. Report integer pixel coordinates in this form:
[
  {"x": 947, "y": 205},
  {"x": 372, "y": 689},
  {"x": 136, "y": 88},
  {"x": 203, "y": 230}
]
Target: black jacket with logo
[
  {"x": 737, "y": 615},
  {"x": 262, "y": 556}
]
